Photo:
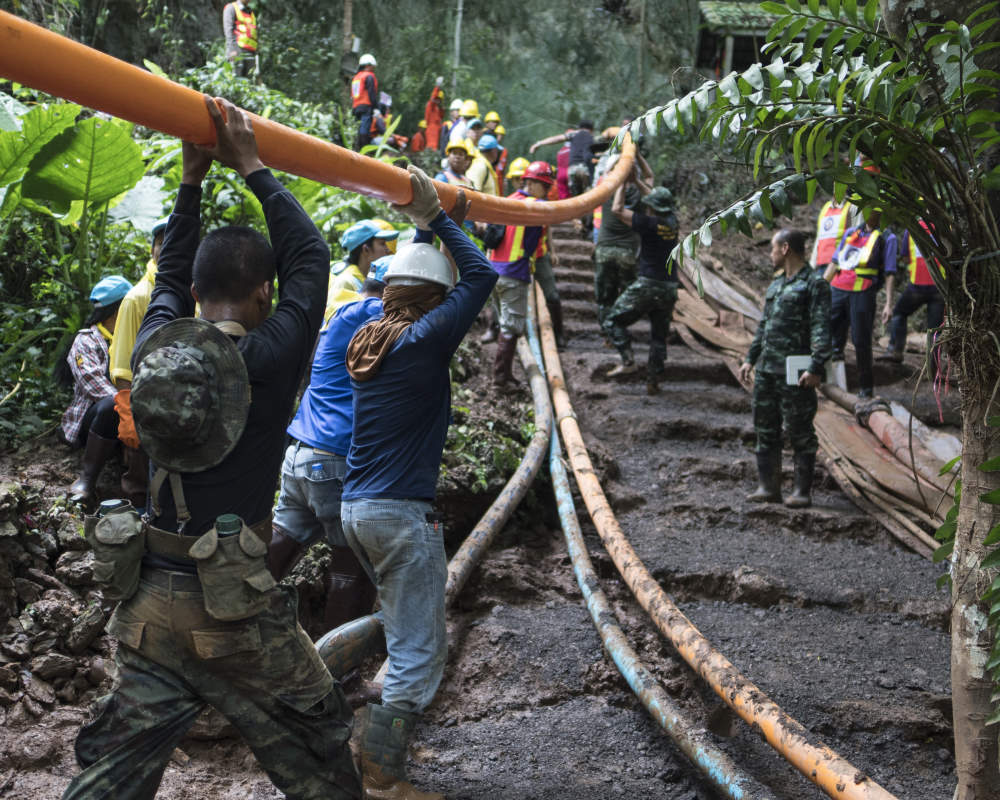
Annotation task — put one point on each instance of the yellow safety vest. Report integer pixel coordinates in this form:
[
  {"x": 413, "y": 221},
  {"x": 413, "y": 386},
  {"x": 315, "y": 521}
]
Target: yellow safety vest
[{"x": 245, "y": 29}]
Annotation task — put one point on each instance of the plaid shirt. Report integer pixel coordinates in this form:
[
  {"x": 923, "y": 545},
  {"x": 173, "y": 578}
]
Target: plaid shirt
[{"x": 88, "y": 359}]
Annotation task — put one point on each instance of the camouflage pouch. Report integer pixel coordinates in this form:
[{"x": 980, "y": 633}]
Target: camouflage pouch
[
  {"x": 233, "y": 574},
  {"x": 119, "y": 542}
]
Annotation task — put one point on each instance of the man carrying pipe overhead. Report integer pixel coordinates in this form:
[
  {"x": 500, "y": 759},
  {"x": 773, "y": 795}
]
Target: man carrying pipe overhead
[
  {"x": 201, "y": 621},
  {"x": 402, "y": 400}
]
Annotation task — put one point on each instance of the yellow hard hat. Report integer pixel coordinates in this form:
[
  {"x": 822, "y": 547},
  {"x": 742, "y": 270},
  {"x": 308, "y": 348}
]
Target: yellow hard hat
[
  {"x": 491, "y": 116},
  {"x": 386, "y": 226},
  {"x": 470, "y": 108},
  {"x": 500, "y": 130},
  {"x": 517, "y": 167},
  {"x": 464, "y": 146}
]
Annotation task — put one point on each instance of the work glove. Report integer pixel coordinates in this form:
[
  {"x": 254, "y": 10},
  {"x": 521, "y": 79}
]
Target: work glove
[
  {"x": 126, "y": 425},
  {"x": 425, "y": 205}
]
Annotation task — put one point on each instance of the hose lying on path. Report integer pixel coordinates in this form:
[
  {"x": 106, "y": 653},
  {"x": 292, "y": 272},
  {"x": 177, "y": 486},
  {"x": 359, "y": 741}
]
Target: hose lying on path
[
  {"x": 44, "y": 60},
  {"x": 689, "y": 738},
  {"x": 833, "y": 774},
  {"x": 346, "y": 647}
]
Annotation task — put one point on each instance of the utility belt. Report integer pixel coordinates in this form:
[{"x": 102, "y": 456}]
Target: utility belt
[{"x": 230, "y": 558}]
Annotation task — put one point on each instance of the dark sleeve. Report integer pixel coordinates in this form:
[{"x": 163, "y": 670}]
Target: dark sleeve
[
  {"x": 819, "y": 326},
  {"x": 758, "y": 338},
  {"x": 451, "y": 320},
  {"x": 423, "y": 236},
  {"x": 643, "y": 223},
  {"x": 171, "y": 297},
  {"x": 370, "y": 89},
  {"x": 282, "y": 344},
  {"x": 890, "y": 245}
]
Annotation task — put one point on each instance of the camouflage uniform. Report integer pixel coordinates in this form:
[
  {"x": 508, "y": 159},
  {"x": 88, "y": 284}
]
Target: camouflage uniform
[
  {"x": 643, "y": 296},
  {"x": 796, "y": 321},
  {"x": 261, "y": 673},
  {"x": 614, "y": 270}
]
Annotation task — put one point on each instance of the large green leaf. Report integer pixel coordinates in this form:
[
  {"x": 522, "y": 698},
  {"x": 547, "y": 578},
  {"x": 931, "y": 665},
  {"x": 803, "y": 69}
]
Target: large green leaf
[
  {"x": 10, "y": 110},
  {"x": 38, "y": 127},
  {"x": 143, "y": 204},
  {"x": 94, "y": 162}
]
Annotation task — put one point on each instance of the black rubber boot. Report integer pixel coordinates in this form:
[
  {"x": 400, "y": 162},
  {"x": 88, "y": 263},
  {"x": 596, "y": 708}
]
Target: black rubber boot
[
  {"x": 503, "y": 363},
  {"x": 283, "y": 553},
  {"x": 387, "y": 733},
  {"x": 349, "y": 591},
  {"x": 555, "y": 311},
  {"x": 805, "y": 467},
  {"x": 96, "y": 453},
  {"x": 769, "y": 478}
]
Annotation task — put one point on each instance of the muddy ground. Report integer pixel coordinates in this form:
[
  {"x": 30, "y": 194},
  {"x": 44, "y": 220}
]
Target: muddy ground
[{"x": 821, "y": 608}]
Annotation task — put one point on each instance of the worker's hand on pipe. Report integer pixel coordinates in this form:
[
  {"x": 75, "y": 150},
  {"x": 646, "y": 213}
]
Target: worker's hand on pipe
[
  {"x": 744, "y": 373},
  {"x": 809, "y": 380},
  {"x": 235, "y": 144},
  {"x": 196, "y": 163},
  {"x": 425, "y": 205},
  {"x": 460, "y": 209}
]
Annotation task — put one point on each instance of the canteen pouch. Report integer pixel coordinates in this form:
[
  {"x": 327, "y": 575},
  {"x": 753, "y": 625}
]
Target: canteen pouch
[
  {"x": 233, "y": 574},
  {"x": 119, "y": 542}
]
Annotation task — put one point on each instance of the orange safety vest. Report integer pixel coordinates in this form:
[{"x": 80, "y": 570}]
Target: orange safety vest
[
  {"x": 829, "y": 231},
  {"x": 511, "y": 249},
  {"x": 920, "y": 275},
  {"x": 245, "y": 28},
  {"x": 359, "y": 94},
  {"x": 852, "y": 261}
]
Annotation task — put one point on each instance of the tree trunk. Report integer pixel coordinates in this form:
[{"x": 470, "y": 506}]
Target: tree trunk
[
  {"x": 345, "y": 47},
  {"x": 976, "y": 751}
]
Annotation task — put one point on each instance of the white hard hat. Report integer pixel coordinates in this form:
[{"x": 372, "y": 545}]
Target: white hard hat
[
  {"x": 419, "y": 263},
  {"x": 367, "y": 60},
  {"x": 456, "y": 105}
]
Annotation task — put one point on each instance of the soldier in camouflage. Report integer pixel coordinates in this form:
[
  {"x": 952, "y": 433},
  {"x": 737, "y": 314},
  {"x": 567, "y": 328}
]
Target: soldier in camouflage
[{"x": 796, "y": 321}]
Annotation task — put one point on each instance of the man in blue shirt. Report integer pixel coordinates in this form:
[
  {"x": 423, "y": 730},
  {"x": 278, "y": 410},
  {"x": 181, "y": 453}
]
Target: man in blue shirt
[{"x": 402, "y": 404}]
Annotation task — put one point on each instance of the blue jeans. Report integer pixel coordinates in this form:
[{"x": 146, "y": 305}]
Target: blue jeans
[
  {"x": 403, "y": 554},
  {"x": 309, "y": 503}
]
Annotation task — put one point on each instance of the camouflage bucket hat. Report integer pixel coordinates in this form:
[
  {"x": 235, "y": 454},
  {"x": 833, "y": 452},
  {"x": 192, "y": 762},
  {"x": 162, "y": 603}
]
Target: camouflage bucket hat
[
  {"x": 190, "y": 395},
  {"x": 660, "y": 199}
]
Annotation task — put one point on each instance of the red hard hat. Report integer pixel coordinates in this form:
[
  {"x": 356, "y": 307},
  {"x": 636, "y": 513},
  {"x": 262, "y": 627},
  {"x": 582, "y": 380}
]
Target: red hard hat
[{"x": 539, "y": 171}]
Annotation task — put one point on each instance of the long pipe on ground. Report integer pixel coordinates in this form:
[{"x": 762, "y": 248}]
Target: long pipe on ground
[
  {"x": 44, "y": 60},
  {"x": 346, "y": 647},
  {"x": 689, "y": 738},
  {"x": 833, "y": 774}
]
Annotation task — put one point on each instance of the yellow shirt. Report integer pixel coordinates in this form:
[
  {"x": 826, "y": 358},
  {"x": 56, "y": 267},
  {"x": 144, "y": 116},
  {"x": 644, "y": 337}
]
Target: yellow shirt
[
  {"x": 482, "y": 176},
  {"x": 130, "y": 314},
  {"x": 344, "y": 288}
]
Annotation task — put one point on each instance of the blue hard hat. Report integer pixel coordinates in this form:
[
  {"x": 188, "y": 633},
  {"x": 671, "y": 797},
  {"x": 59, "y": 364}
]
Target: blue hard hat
[
  {"x": 361, "y": 232},
  {"x": 159, "y": 227},
  {"x": 110, "y": 290},
  {"x": 377, "y": 270},
  {"x": 488, "y": 142}
]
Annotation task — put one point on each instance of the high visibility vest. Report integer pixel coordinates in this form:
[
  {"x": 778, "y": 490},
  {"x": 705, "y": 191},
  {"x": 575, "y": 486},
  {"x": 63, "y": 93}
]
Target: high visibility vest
[
  {"x": 920, "y": 275},
  {"x": 245, "y": 28},
  {"x": 855, "y": 255},
  {"x": 359, "y": 94},
  {"x": 512, "y": 248},
  {"x": 829, "y": 231}
]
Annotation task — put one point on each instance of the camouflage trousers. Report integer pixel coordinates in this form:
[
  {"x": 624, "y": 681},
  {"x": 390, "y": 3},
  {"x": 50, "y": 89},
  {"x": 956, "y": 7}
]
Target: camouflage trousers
[
  {"x": 644, "y": 296},
  {"x": 262, "y": 673},
  {"x": 774, "y": 400},
  {"x": 614, "y": 269}
]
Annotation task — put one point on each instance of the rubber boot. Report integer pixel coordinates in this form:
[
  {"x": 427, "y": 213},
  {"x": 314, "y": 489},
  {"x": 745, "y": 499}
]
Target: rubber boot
[
  {"x": 349, "y": 591},
  {"x": 492, "y": 326},
  {"x": 628, "y": 365},
  {"x": 555, "y": 311},
  {"x": 135, "y": 478},
  {"x": 283, "y": 553},
  {"x": 769, "y": 478},
  {"x": 387, "y": 733},
  {"x": 805, "y": 466},
  {"x": 97, "y": 451},
  {"x": 503, "y": 363}
]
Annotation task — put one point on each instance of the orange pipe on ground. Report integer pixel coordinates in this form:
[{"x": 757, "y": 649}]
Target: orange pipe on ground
[
  {"x": 833, "y": 774},
  {"x": 44, "y": 60}
]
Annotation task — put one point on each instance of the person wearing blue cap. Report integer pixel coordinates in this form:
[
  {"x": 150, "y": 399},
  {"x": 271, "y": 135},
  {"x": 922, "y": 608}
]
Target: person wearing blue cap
[
  {"x": 90, "y": 421},
  {"x": 363, "y": 242},
  {"x": 482, "y": 173},
  {"x": 135, "y": 478}
]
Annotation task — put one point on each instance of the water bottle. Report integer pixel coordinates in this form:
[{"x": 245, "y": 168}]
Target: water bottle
[
  {"x": 228, "y": 524},
  {"x": 112, "y": 507}
]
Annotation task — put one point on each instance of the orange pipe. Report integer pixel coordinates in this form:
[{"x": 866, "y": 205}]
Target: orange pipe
[
  {"x": 44, "y": 60},
  {"x": 833, "y": 774}
]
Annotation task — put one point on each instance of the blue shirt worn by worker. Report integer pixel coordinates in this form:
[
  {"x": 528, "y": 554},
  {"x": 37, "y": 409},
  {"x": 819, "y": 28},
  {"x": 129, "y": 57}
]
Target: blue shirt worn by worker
[{"x": 401, "y": 415}]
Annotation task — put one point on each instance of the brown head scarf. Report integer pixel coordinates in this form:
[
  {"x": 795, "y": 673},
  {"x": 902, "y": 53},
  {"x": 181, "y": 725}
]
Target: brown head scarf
[{"x": 401, "y": 306}]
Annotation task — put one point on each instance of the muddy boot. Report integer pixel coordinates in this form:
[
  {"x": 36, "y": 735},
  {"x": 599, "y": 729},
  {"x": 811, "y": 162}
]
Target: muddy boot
[
  {"x": 503, "y": 363},
  {"x": 769, "y": 477},
  {"x": 135, "y": 478},
  {"x": 555, "y": 311},
  {"x": 283, "y": 553},
  {"x": 492, "y": 326},
  {"x": 805, "y": 466},
  {"x": 384, "y": 742},
  {"x": 349, "y": 592},
  {"x": 95, "y": 454},
  {"x": 627, "y": 367}
]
